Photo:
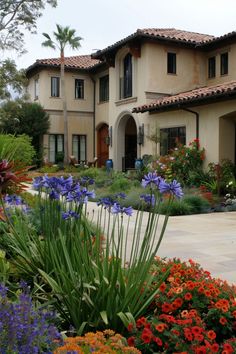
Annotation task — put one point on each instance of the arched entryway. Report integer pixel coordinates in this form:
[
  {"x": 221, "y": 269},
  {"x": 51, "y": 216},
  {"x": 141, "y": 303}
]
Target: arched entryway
[
  {"x": 126, "y": 135},
  {"x": 102, "y": 145},
  {"x": 130, "y": 144}
]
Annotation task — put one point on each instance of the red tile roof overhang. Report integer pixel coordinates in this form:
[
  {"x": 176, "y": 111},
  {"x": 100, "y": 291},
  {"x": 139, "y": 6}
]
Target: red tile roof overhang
[{"x": 197, "y": 97}]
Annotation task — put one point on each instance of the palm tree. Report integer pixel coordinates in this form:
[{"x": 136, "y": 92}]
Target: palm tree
[{"x": 63, "y": 36}]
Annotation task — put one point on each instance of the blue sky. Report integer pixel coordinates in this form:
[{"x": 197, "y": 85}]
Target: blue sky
[{"x": 102, "y": 22}]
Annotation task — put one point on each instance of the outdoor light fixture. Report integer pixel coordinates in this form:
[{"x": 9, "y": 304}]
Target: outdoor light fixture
[{"x": 140, "y": 136}]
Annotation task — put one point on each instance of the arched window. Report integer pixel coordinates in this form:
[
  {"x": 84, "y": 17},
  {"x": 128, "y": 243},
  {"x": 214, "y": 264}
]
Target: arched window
[{"x": 127, "y": 84}]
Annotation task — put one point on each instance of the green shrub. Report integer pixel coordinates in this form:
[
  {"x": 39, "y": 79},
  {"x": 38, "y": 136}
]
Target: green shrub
[
  {"x": 178, "y": 207},
  {"x": 49, "y": 169},
  {"x": 17, "y": 149},
  {"x": 91, "y": 172},
  {"x": 197, "y": 203},
  {"x": 120, "y": 184}
]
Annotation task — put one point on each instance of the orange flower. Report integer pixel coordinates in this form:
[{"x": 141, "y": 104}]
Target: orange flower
[
  {"x": 160, "y": 327},
  {"x": 211, "y": 334}
]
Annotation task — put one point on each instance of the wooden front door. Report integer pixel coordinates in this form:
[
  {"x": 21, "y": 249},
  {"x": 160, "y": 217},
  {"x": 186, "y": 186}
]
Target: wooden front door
[{"x": 102, "y": 147}]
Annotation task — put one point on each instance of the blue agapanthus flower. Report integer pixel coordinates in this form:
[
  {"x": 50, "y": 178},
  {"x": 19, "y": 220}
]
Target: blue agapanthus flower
[
  {"x": 106, "y": 202},
  {"x": 69, "y": 215},
  {"x": 148, "y": 198},
  {"x": 152, "y": 180},
  {"x": 118, "y": 209},
  {"x": 13, "y": 199},
  {"x": 173, "y": 188}
]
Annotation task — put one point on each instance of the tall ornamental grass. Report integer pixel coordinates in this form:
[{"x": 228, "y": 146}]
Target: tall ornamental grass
[{"x": 95, "y": 271}]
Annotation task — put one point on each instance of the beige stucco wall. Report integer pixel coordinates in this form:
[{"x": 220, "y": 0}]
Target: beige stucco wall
[{"x": 231, "y": 49}]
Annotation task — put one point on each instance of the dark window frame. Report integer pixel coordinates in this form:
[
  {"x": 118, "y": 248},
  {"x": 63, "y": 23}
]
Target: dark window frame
[
  {"x": 224, "y": 63},
  {"x": 55, "y": 93},
  {"x": 56, "y": 144},
  {"x": 171, "y": 63},
  {"x": 128, "y": 75},
  {"x": 211, "y": 67},
  {"x": 104, "y": 88},
  {"x": 174, "y": 135},
  {"x": 78, "y": 157},
  {"x": 79, "y": 89}
]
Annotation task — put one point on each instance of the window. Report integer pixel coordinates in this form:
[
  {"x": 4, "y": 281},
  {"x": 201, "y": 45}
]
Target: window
[
  {"x": 36, "y": 89},
  {"x": 104, "y": 88},
  {"x": 224, "y": 64},
  {"x": 211, "y": 67},
  {"x": 171, "y": 63},
  {"x": 170, "y": 137},
  {"x": 56, "y": 144},
  {"x": 79, "y": 147},
  {"x": 126, "y": 80},
  {"x": 79, "y": 89},
  {"x": 55, "y": 87}
]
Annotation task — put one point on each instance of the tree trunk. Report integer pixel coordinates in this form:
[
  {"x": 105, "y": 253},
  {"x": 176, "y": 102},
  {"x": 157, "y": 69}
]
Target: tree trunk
[{"x": 64, "y": 105}]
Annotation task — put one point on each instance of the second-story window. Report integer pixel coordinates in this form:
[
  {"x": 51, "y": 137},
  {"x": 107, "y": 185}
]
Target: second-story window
[
  {"x": 211, "y": 67},
  {"x": 171, "y": 63},
  {"x": 36, "y": 89},
  {"x": 128, "y": 76},
  {"x": 224, "y": 64},
  {"x": 55, "y": 86},
  {"x": 79, "y": 89},
  {"x": 104, "y": 88}
]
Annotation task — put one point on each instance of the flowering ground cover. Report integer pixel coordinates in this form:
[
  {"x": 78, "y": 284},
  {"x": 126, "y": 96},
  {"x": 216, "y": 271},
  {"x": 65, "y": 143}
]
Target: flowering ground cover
[{"x": 78, "y": 267}]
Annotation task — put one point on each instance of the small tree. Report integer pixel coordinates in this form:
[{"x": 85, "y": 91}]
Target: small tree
[
  {"x": 18, "y": 117},
  {"x": 63, "y": 37}
]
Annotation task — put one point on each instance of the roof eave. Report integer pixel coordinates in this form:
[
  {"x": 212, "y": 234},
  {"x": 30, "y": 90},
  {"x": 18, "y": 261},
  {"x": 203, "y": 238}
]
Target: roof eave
[{"x": 191, "y": 103}]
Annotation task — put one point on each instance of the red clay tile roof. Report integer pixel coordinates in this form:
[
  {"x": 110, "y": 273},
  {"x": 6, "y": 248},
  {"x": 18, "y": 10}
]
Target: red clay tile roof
[
  {"x": 183, "y": 99},
  {"x": 168, "y": 34},
  {"x": 180, "y": 35},
  {"x": 75, "y": 62}
]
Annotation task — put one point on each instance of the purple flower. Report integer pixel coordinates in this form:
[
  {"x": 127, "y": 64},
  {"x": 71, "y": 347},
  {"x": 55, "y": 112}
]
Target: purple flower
[
  {"x": 69, "y": 215},
  {"x": 116, "y": 209},
  {"x": 148, "y": 198},
  {"x": 13, "y": 199},
  {"x": 151, "y": 179},
  {"x": 106, "y": 202},
  {"x": 173, "y": 188}
]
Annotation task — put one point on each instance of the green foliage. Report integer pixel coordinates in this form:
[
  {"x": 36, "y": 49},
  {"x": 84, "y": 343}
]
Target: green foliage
[
  {"x": 17, "y": 149},
  {"x": 189, "y": 204},
  {"x": 91, "y": 172},
  {"x": 19, "y": 117},
  {"x": 120, "y": 184},
  {"x": 197, "y": 203},
  {"x": 17, "y": 16},
  {"x": 10, "y": 77},
  {"x": 49, "y": 169},
  {"x": 178, "y": 207}
]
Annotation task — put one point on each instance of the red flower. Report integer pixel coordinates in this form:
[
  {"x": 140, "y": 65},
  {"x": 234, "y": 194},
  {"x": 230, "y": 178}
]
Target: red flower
[
  {"x": 188, "y": 296},
  {"x": 215, "y": 348},
  {"x": 201, "y": 350},
  {"x": 130, "y": 341},
  {"x": 223, "y": 320},
  {"x": 162, "y": 287},
  {"x": 130, "y": 327},
  {"x": 166, "y": 307},
  {"x": 146, "y": 335},
  {"x": 141, "y": 322},
  {"x": 158, "y": 341}
]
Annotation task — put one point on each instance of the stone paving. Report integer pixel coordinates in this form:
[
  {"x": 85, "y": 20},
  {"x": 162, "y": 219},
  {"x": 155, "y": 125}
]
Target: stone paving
[{"x": 209, "y": 239}]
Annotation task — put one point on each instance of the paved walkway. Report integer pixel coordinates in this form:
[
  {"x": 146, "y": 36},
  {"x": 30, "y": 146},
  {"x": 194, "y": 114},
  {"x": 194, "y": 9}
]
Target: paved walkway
[{"x": 209, "y": 239}]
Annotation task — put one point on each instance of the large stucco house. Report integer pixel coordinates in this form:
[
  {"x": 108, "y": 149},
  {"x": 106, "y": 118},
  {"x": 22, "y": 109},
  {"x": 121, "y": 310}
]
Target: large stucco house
[{"x": 182, "y": 82}]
